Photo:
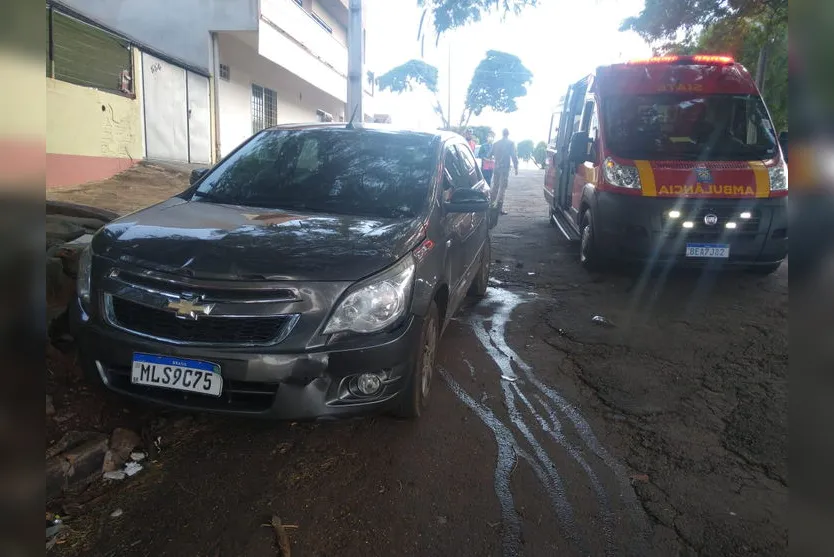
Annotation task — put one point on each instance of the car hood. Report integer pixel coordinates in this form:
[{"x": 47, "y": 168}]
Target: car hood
[{"x": 213, "y": 241}]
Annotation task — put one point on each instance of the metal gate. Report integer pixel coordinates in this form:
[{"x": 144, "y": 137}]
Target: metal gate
[{"x": 176, "y": 104}]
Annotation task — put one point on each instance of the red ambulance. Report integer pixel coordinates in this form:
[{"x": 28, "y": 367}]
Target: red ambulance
[{"x": 669, "y": 159}]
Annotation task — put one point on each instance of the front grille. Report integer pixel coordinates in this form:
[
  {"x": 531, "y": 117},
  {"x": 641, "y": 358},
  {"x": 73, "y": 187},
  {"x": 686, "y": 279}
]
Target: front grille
[
  {"x": 210, "y": 291},
  {"x": 211, "y": 330},
  {"x": 244, "y": 396},
  {"x": 725, "y": 214}
]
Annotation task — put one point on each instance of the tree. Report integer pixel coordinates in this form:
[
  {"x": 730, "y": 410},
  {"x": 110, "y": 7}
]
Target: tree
[
  {"x": 406, "y": 76},
  {"x": 498, "y": 81},
  {"x": 755, "y": 32},
  {"x": 451, "y": 14},
  {"x": 540, "y": 154},
  {"x": 667, "y": 20},
  {"x": 525, "y": 150}
]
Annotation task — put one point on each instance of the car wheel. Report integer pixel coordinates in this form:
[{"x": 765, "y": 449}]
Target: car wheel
[
  {"x": 415, "y": 397},
  {"x": 479, "y": 285},
  {"x": 493, "y": 218},
  {"x": 589, "y": 255}
]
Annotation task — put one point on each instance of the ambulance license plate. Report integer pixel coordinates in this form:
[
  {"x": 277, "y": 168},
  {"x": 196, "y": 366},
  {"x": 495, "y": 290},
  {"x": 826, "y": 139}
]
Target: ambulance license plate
[{"x": 710, "y": 251}]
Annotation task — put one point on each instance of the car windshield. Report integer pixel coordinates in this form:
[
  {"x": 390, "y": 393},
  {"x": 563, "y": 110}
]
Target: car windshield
[
  {"x": 671, "y": 126},
  {"x": 333, "y": 170}
]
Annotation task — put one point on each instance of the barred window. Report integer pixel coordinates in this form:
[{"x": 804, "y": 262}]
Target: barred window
[
  {"x": 264, "y": 108},
  {"x": 82, "y": 54}
]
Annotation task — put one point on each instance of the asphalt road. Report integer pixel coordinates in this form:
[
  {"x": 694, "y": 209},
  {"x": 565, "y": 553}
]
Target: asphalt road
[{"x": 662, "y": 431}]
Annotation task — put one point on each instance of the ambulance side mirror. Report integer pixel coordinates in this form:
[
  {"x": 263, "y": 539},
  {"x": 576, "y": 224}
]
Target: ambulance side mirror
[
  {"x": 578, "y": 150},
  {"x": 783, "y": 142}
]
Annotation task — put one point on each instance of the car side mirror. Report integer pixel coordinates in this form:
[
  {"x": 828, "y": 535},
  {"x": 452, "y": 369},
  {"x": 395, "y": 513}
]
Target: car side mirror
[
  {"x": 197, "y": 174},
  {"x": 578, "y": 149},
  {"x": 467, "y": 200}
]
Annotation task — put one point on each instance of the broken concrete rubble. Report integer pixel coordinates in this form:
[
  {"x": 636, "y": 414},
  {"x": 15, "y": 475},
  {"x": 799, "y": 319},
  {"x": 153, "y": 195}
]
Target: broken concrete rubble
[{"x": 78, "y": 462}]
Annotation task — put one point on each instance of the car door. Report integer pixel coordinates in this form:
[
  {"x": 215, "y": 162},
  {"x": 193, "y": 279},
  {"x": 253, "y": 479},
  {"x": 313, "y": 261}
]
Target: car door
[
  {"x": 477, "y": 223},
  {"x": 455, "y": 225}
]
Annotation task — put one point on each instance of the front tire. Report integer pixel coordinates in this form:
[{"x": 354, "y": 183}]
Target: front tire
[
  {"x": 589, "y": 254},
  {"x": 414, "y": 399},
  {"x": 479, "y": 285}
]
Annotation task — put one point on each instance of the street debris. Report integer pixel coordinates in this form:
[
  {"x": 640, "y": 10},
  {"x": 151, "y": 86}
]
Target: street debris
[
  {"x": 116, "y": 475},
  {"x": 117, "y": 513},
  {"x": 133, "y": 468},
  {"x": 74, "y": 460},
  {"x": 511, "y": 379},
  {"x": 123, "y": 441},
  {"x": 531, "y": 273},
  {"x": 442, "y": 520},
  {"x": 638, "y": 478},
  {"x": 281, "y": 536},
  {"x": 600, "y": 320},
  {"x": 138, "y": 456}
]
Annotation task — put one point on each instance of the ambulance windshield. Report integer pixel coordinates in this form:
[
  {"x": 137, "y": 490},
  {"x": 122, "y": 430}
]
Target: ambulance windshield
[{"x": 674, "y": 127}]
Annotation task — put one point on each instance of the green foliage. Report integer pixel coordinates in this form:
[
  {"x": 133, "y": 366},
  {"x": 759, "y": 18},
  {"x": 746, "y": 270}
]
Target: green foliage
[
  {"x": 451, "y": 14},
  {"x": 540, "y": 153},
  {"x": 665, "y": 19},
  {"x": 404, "y": 77},
  {"x": 414, "y": 72},
  {"x": 525, "y": 149},
  {"x": 499, "y": 79},
  {"x": 744, "y": 29}
]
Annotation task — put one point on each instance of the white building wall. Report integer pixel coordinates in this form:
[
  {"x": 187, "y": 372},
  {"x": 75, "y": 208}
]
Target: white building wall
[
  {"x": 339, "y": 31},
  {"x": 297, "y": 99},
  {"x": 179, "y": 28}
]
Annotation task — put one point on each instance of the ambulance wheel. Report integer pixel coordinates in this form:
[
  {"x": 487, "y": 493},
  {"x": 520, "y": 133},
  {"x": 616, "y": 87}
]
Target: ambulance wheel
[
  {"x": 764, "y": 270},
  {"x": 589, "y": 253}
]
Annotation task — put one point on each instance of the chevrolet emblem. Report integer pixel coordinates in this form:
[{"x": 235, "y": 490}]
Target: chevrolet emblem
[{"x": 189, "y": 308}]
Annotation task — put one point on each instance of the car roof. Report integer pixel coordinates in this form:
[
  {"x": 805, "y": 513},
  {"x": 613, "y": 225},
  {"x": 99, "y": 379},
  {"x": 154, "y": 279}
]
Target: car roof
[{"x": 381, "y": 128}]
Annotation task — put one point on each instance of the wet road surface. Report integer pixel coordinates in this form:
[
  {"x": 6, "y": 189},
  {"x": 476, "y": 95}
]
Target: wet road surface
[{"x": 660, "y": 432}]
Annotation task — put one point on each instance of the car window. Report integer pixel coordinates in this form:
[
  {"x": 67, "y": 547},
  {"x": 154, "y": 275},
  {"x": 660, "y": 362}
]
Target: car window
[
  {"x": 454, "y": 166},
  {"x": 331, "y": 170},
  {"x": 470, "y": 166}
]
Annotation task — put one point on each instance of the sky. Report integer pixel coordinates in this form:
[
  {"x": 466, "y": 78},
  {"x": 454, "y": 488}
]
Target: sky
[{"x": 559, "y": 41}]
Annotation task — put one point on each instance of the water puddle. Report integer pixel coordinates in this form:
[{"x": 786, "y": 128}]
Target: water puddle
[{"x": 521, "y": 390}]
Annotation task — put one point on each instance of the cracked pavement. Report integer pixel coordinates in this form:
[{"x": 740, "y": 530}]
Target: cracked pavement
[{"x": 662, "y": 432}]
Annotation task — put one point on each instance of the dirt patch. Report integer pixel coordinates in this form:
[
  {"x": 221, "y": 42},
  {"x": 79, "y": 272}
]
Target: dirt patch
[{"x": 140, "y": 186}]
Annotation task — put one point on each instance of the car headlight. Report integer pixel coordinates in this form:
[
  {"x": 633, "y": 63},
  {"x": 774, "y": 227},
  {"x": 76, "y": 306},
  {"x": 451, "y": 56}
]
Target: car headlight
[
  {"x": 85, "y": 264},
  {"x": 621, "y": 175},
  {"x": 778, "y": 177},
  {"x": 375, "y": 303}
]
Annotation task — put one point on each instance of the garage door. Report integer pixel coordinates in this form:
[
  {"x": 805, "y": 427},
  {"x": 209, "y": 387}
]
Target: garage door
[
  {"x": 176, "y": 103},
  {"x": 199, "y": 125}
]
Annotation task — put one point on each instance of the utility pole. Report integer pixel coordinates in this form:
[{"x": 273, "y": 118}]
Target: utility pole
[
  {"x": 449, "y": 88},
  {"x": 356, "y": 59}
]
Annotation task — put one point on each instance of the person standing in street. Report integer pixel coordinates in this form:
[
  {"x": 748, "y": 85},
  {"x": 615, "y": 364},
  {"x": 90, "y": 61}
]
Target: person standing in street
[
  {"x": 504, "y": 153},
  {"x": 487, "y": 164},
  {"x": 470, "y": 139}
]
